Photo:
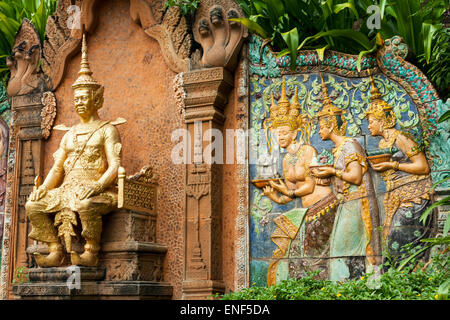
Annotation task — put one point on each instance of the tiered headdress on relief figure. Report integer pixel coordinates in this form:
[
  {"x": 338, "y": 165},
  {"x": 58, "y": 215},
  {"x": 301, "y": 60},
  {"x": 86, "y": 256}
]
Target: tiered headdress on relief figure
[
  {"x": 331, "y": 112},
  {"x": 379, "y": 108},
  {"x": 287, "y": 114}
]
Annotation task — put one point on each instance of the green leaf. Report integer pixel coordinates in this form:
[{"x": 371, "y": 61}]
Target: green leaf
[
  {"x": 382, "y": 8},
  {"x": 411, "y": 257},
  {"x": 7, "y": 9},
  {"x": 443, "y": 290},
  {"x": 444, "y": 118},
  {"x": 437, "y": 241},
  {"x": 283, "y": 53},
  {"x": 252, "y": 26},
  {"x": 321, "y": 52},
  {"x": 348, "y": 5},
  {"x": 362, "y": 54},
  {"x": 427, "y": 212},
  {"x": 291, "y": 39},
  {"x": 356, "y": 36},
  {"x": 428, "y": 31},
  {"x": 446, "y": 226},
  {"x": 439, "y": 182}
]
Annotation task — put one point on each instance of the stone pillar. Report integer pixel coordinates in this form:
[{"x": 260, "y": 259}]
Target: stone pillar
[
  {"x": 34, "y": 111},
  {"x": 206, "y": 98},
  {"x": 27, "y": 149}
]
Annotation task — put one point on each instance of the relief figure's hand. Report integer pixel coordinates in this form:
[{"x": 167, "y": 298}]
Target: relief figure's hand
[
  {"x": 323, "y": 172},
  {"x": 281, "y": 186},
  {"x": 270, "y": 193},
  {"x": 383, "y": 166}
]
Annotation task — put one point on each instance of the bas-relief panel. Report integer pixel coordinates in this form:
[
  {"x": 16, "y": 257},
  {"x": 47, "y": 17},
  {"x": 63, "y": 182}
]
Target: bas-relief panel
[
  {"x": 350, "y": 94},
  {"x": 4, "y": 123},
  {"x": 5, "y": 115}
]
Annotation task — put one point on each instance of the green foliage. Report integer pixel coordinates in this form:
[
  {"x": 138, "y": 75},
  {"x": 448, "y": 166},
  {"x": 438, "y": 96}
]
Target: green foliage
[
  {"x": 187, "y": 7},
  {"x": 438, "y": 67},
  {"x": 428, "y": 283},
  {"x": 12, "y": 12},
  {"x": 291, "y": 25},
  {"x": 443, "y": 202},
  {"x": 341, "y": 25},
  {"x": 394, "y": 285},
  {"x": 21, "y": 275}
]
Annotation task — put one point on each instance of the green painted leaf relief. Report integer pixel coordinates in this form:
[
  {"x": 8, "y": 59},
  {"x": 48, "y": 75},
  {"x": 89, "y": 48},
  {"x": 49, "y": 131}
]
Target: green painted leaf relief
[
  {"x": 262, "y": 63},
  {"x": 260, "y": 209},
  {"x": 440, "y": 148}
]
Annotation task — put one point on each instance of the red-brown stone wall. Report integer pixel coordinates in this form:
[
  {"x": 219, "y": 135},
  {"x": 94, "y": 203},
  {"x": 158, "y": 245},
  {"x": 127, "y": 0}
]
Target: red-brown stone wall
[{"x": 138, "y": 87}]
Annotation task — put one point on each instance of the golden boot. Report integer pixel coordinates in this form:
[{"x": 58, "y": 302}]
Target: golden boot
[
  {"x": 89, "y": 258},
  {"x": 53, "y": 259}
]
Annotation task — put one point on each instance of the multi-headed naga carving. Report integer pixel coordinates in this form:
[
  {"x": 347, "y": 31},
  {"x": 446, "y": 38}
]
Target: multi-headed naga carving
[
  {"x": 220, "y": 38},
  {"x": 24, "y": 61}
]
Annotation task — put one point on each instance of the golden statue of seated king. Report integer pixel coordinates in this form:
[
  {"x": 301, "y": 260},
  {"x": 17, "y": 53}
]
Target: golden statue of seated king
[{"x": 82, "y": 180}]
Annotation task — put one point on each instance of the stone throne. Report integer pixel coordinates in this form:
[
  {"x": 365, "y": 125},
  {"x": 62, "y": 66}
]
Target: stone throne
[{"x": 131, "y": 262}]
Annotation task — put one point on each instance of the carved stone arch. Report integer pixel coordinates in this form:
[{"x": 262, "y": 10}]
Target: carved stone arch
[
  {"x": 64, "y": 31},
  {"x": 63, "y": 36},
  {"x": 168, "y": 27}
]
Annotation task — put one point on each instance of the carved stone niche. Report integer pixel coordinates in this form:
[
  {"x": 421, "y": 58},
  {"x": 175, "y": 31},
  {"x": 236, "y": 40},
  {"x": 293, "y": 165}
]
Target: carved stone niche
[{"x": 131, "y": 262}]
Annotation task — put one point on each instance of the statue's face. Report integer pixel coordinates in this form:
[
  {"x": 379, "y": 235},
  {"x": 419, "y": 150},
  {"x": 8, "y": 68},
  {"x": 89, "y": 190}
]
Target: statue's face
[
  {"x": 84, "y": 102},
  {"x": 325, "y": 129},
  {"x": 375, "y": 125},
  {"x": 285, "y": 136}
]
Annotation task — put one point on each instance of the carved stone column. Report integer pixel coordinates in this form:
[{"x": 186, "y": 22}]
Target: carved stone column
[
  {"x": 27, "y": 141},
  {"x": 33, "y": 115},
  {"x": 206, "y": 98}
]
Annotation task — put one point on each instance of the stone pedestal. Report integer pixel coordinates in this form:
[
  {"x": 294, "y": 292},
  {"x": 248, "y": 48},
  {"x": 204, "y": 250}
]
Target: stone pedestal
[
  {"x": 54, "y": 284},
  {"x": 130, "y": 261},
  {"x": 129, "y": 267}
]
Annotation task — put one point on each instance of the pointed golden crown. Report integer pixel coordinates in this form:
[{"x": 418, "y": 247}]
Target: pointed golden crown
[
  {"x": 328, "y": 108},
  {"x": 85, "y": 79},
  {"x": 285, "y": 113},
  {"x": 331, "y": 111},
  {"x": 380, "y": 108}
]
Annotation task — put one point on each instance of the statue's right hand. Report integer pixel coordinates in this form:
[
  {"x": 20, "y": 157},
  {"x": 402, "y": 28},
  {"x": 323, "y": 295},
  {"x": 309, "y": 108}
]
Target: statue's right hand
[{"x": 39, "y": 193}]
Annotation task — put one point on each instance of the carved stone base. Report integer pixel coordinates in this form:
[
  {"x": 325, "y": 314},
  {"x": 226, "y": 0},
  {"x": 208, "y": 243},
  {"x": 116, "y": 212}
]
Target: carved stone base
[
  {"x": 202, "y": 289},
  {"x": 130, "y": 265},
  {"x": 51, "y": 284},
  {"x": 103, "y": 290},
  {"x": 61, "y": 274},
  {"x": 132, "y": 260},
  {"x": 129, "y": 225}
]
